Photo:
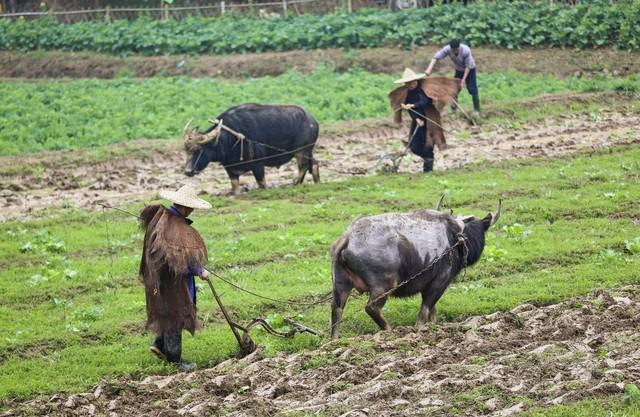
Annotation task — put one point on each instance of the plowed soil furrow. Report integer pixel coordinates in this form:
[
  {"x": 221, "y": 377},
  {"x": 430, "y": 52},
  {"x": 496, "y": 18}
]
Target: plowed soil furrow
[
  {"x": 156, "y": 165},
  {"x": 493, "y": 365},
  {"x": 55, "y": 64}
]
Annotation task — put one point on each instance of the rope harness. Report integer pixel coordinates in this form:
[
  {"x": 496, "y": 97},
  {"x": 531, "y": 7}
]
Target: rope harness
[
  {"x": 246, "y": 344},
  {"x": 220, "y": 126},
  {"x": 214, "y": 135}
]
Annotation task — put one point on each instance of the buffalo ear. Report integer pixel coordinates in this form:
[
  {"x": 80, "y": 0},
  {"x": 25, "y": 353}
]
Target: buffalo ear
[{"x": 486, "y": 221}]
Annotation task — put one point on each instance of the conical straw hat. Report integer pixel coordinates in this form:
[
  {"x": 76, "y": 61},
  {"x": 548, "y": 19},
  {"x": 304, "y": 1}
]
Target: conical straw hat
[
  {"x": 185, "y": 196},
  {"x": 408, "y": 75}
]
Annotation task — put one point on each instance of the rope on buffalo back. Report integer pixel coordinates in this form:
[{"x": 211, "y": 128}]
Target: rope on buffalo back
[{"x": 242, "y": 138}]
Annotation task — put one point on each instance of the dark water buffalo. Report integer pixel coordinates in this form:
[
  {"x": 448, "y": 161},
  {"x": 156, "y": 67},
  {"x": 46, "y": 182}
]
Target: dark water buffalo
[
  {"x": 251, "y": 136},
  {"x": 379, "y": 253}
]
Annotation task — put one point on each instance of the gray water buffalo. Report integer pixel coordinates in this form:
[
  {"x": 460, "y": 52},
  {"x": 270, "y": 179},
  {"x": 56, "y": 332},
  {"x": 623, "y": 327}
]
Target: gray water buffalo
[
  {"x": 402, "y": 255},
  {"x": 251, "y": 137}
]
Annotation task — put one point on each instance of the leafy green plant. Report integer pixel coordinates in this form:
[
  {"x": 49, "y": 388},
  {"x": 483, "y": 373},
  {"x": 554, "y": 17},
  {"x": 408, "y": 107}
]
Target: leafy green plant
[
  {"x": 493, "y": 254},
  {"x": 517, "y": 232},
  {"x": 79, "y": 321},
  {"x": 62, "y": 115},
  {"x": 631, "y": 395},
  {"x": 507, "y": 24},
  {"x": 632, "y": 245},
  {"x": 43, "y": 242}
]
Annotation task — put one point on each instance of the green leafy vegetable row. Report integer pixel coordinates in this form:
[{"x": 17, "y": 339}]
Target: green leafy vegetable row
[
  {"x": 500, "y": 23},
  {"x": 61, "y": 115}
]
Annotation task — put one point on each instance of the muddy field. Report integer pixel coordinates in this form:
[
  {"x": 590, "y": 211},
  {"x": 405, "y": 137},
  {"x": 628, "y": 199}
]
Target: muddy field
[
  {"x": 39, "y": 65},
  {"x": 136, "y": 170},
  {"x": 494, "y": 365}
]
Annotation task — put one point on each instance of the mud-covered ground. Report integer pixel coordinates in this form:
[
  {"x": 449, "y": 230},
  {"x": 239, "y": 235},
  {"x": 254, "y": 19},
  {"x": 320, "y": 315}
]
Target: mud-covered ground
[
  {"x": 135, "y": 171},
  {"x": 494, "y": 365},
  {"x": 38, "y": 65}
]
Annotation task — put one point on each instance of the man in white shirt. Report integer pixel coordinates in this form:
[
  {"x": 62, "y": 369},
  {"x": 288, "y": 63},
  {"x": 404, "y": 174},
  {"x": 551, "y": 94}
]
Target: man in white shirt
[{"x": 465, "y": 66}]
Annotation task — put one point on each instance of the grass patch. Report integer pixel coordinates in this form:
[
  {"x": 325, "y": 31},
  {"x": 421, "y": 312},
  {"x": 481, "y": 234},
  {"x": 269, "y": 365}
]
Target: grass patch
[
  {"x": 73, "y": 309},
  {"x": 54, "y": 115},
  {"x": 608, "y": 406}
]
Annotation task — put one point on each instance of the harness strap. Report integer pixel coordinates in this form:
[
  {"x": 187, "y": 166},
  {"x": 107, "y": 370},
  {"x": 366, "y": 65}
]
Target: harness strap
[{"x": 239, "y": 136}]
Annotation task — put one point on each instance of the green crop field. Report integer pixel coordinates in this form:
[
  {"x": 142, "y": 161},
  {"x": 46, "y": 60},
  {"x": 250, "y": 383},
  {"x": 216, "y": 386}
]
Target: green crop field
[
  {"x": 52, "y": 115},
  {"x": 73, "y": 309},
  {"x": 509, "y": 24}
]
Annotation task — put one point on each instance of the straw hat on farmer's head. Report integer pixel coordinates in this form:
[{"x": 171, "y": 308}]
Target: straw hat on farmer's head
[
  {"x": 186, "y": 196},
  {"x": 408, "y": 75}
]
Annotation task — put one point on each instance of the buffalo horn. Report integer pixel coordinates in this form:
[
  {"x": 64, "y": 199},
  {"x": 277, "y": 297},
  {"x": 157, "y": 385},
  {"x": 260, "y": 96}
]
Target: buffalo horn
[
  {"x": 185, "y": 130},
  {"x": 495, "y": 217},
  {"x": 439, "y": 206}
]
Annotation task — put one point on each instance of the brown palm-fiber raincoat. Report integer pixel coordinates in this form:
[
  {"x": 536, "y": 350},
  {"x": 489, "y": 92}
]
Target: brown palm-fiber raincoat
[
  {"x": 442, "y": 90},
  {"x": 171, "y": 249}
]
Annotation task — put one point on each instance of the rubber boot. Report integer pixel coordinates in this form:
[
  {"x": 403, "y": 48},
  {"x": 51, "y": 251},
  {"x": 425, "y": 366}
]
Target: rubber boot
[
  {"x": 476, "y": 103},
  {"x": 187, "y": 367},
  {"x": 427, "y": 166},
  {"x": 173, "y": 347},
  {"x": 157, "y": 348}
]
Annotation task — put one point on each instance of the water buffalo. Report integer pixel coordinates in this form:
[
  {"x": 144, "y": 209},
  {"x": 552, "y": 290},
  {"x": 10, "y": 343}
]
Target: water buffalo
[
  {"x": 251, "y": 136},
  {"x": 378, "y": 254}
]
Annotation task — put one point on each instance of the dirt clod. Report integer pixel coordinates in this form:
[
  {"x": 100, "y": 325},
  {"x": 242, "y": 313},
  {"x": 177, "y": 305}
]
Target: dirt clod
[
  {"x": 345, "y": 150},
  {"x": 442, "y": 370}
]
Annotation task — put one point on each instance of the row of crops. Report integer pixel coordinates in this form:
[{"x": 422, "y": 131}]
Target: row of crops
[
  {"x": 511, "y": 24},
  {"x": 60, "y": 115}
]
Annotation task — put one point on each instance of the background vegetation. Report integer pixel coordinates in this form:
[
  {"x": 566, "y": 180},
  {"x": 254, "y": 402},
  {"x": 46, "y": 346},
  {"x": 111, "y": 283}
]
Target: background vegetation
[
  {"x": 504, "y": 24},
  {"x": 52, "y": 115}
]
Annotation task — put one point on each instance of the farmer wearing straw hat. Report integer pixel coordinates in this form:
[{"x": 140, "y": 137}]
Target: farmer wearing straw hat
[
  {"x": 416, "y": 103},
  {"x": 173, "y": 254}
]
